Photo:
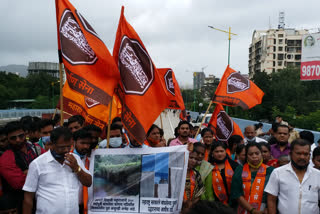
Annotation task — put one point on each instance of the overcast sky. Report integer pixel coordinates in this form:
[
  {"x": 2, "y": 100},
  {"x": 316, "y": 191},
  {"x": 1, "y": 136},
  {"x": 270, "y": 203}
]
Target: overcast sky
[{"x": 175, "y": 32}]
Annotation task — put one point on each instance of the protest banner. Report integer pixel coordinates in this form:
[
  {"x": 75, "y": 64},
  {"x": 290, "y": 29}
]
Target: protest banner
[
  {"x": 310, "y": 57},
  {"x": 144, "y": 180}
]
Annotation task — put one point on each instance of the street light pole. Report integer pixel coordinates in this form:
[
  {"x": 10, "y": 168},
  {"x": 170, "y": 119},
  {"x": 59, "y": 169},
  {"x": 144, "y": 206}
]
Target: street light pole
[
  {"x": 229, "y": 38},
  {"x": 194, "y": 95}
]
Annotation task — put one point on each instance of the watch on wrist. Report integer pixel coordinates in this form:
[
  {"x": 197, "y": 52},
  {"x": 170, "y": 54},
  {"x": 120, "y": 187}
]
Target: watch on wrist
[{"x": 78, "y": 170}]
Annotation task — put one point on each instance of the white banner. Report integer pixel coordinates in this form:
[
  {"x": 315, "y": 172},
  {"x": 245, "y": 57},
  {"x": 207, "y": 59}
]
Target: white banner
[
  {"x": 310, "y": 57},
  {"x": 142, "y": 180}
]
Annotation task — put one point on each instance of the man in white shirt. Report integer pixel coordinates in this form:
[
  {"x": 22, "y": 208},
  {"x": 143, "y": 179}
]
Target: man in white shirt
[
  {"x": 54, "y": 177},
  {"x": 250, "y": 135},
  {"x": 296, "y": 185}
]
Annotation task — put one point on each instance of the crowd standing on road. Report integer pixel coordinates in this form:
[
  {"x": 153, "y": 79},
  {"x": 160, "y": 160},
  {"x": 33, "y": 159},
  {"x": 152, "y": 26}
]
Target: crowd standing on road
[{"x": 44, "y": 168}]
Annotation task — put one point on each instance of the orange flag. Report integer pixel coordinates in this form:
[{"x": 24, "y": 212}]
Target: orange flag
[
  {"x": 236, "y": 90},
  {"x": 183, "y": 115},
  {"x": 141, "y": 91},
  {"x": 90, "y": 68},
  {"x": 222, "y": 125},
  {"x": 94, "y": 112},
  {"x": 173, "y": 89}
]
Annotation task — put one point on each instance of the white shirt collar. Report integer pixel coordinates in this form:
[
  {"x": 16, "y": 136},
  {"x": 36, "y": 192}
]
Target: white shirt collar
[{"x": 306, "y": 175}]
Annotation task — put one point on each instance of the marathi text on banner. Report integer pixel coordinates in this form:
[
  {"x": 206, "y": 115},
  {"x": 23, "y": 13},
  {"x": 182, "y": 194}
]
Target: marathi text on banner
[{"x": 144, "y": 180}]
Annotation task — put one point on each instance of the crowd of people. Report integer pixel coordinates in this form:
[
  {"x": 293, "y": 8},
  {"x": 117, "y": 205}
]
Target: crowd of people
[{"x": 44, "y": 167}]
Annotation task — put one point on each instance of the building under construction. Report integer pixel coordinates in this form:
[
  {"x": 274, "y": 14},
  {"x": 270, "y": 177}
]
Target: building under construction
[{"x": 51, "y": 68}]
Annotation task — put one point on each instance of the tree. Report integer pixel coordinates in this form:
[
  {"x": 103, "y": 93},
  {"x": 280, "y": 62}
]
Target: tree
[{"x": 35, "y": 86}]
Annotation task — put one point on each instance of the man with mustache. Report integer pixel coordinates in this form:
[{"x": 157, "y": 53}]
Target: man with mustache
[
  {"x": 14, "y": 165},
  {"x": 282, "y": 146},
  {"x": 184, "y": 133},
  {"x": 54, "y": 177},
  {"x": 296, "y": 186},
  {"x": 82, "y": 143}
]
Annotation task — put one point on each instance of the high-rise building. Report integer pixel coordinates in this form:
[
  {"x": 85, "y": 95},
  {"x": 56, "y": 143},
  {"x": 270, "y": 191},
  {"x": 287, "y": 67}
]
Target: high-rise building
[
  {"x": 275, "y": 49},
  {"x": 198, "y": 79}
]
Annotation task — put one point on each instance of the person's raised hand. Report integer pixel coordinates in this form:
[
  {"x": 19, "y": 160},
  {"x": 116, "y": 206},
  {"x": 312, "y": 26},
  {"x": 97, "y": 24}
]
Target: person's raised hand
[{"x": 71, "y": 161}]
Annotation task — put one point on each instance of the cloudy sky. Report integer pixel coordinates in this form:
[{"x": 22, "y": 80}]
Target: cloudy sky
[{"x": 175, "y": 32}]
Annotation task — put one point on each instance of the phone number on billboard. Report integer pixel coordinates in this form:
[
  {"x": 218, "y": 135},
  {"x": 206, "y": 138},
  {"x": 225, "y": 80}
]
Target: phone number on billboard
[{"x": 310, "y": 70}]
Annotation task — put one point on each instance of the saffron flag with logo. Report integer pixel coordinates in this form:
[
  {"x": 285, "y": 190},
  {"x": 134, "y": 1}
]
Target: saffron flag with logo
[
  {"x": 90, "y": 68},
  {"x": 173, "y": 89},
  {"x": 93, "y": 112},
  {"x": 236, "y": 90},
  {"x": 222, "y": 125},
  {"x": 142, "y": 93}
]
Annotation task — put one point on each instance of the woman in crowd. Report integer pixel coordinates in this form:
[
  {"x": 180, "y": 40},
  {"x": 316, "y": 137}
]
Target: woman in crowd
[
  {"x": 241, "y": 154},
  {"x": 233, "y": 142},
  {"x": 194, "y": 187},
  {"x": 205, "y": 169},
  {"x": 249, "y": 181},
  {"x": 207, "y": 138},
  {"x": 266, "y": 155},
  {"x": 153, "y": 138},
  {"x": 222, "y": 172}
]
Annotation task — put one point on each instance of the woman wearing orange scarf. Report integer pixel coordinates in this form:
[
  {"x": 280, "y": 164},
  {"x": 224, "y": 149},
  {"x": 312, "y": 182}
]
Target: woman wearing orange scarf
[
  {"x": 207, "y": 139},
  {"x": 249, "y": 181},
  {"x": 154, "y": 137},
  {"x": 222, "y": 172},
  {"x": 194, "y": 187}
]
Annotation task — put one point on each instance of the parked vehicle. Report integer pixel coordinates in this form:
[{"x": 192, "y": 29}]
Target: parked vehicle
[{"x": 199, "y": 118}]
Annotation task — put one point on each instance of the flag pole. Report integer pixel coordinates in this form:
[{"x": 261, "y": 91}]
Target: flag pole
[
  {"x": 61, "y": 95},
  {"x": 161, "y": 120},
  {"x": 54, "y": 114},
  {"x": 204, "y": 117},
  {"x": 109, "y": 123}
]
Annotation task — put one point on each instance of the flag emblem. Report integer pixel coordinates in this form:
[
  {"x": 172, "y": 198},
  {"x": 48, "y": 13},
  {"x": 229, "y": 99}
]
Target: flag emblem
[
  {"x": 224, "y": 126},
  {"x": 90, "y": 102},
  {"x": 169, "y": 82},
  {"x": 237, "y": 83},
  {"x": 135, "y": 67},
  {"x": 74, "y": 45}
]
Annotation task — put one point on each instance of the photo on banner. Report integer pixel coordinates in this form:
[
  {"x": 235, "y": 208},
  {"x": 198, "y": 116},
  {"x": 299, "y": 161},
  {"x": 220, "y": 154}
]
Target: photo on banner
[
  {"x": 310, "y": 57},
  {"x": 146, "y": 180}
]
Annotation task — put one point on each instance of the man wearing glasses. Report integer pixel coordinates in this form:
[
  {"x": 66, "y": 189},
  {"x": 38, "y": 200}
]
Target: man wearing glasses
[{"x": 14, "y": 165}]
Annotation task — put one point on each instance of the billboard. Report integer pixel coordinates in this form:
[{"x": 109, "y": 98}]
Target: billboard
[
  {"x": 144, "y": 180},
  {"x": 310, "y": 58}
]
